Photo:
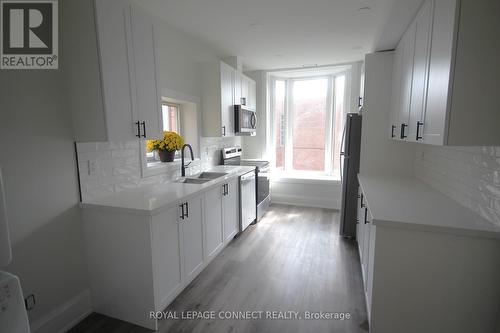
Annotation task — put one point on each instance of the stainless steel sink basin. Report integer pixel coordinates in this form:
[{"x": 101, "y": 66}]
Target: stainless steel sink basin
[
  {"x": 193, "y": 180},
  {"x": 210, "y": 175}
]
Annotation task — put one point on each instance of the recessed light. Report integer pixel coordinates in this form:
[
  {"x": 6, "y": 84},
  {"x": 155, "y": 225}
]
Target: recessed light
[{"x": 256, "y": 26}]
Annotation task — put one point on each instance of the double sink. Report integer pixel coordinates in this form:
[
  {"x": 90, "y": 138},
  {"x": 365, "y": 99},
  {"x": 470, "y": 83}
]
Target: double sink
[{"x": 201, "y": 178}]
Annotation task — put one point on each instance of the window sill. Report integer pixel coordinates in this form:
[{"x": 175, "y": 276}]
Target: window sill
[
  {"x": 158, "y": 168},
  {"x": 305, "y": 179}
]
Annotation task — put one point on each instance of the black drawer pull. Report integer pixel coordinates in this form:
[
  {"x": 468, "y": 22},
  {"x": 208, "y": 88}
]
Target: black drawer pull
[
  {"x": 403, "y": 130},
  {"x": 419, "y": 137},
  {"x": 138, "y": 129}
]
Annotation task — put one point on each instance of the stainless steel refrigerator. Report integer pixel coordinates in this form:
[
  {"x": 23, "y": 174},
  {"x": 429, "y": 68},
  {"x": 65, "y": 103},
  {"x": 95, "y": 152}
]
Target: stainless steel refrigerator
[{"x": 349, "y": 164}]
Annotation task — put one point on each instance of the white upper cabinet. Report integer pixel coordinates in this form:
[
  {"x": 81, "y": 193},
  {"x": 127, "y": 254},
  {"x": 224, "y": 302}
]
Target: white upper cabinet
[
  {"x": 218, "y": 81},
  {"x": 407, "y": 49},
  {"x": 248, "y": 92},
  {"x": 421, "y": 54},
  {"x": 147, "y": 110},
  {"x": 111, "y": 70},
  {"x": 223, "y": 87},
  {"x": 455, "y": 74}
]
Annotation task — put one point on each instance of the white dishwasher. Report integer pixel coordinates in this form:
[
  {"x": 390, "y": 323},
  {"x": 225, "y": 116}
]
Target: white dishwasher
[{"x": 248, "y": 200}]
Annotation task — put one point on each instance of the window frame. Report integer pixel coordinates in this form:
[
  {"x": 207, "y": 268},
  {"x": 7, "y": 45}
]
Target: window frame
[
  {"x": 150, "y": 157},
  {"x": 330, "y": 134}
]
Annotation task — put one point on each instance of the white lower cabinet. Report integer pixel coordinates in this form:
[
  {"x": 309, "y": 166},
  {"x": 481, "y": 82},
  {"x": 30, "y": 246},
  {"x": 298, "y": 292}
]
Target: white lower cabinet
[
  {"x": 419, "y": 280},
  {"x": 214, "y": 237},
  {"x": 166, "y": 246},
  {"x": 221, "y": 217},
  {"x": 191, "y": 238},
  {"x": 366, "y": 245},
  {"x": 139, "y": 262}
]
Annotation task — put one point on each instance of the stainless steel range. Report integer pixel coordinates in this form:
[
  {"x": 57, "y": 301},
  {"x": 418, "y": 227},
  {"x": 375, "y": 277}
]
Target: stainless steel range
[{"x": 232, "y": 156}]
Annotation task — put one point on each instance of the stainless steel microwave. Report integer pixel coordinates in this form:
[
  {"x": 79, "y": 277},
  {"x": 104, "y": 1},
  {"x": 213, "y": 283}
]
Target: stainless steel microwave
[{"x": 245, "y": 120}]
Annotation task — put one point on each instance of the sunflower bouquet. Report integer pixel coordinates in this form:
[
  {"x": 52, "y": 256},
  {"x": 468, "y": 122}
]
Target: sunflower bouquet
[{"x": 166, "y": 146}]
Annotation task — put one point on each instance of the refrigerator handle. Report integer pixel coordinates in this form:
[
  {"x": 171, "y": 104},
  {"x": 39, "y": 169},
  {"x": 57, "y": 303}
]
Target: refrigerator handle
[{"x": 342, "y": 152}]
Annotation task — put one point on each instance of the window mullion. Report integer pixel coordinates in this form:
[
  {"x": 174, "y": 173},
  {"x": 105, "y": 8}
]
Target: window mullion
[
  {"x": 329, "y": 126},
  {"x": 289, "y": 126}
]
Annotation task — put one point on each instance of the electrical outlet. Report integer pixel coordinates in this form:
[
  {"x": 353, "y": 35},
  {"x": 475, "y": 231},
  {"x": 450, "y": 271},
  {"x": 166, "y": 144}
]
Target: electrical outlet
[
  {"x": 93, "y": 167},
  {"x": 30, "y": 302}
]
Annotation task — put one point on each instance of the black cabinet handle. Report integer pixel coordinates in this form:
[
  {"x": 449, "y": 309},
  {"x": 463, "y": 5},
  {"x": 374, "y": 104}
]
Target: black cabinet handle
[
  {"x": 366, "y": 214},
  {"x": 419, "y": 137},
  {"x": 393, "y": 128},
  {"x": 243, "y": 101},
  {"x": 143, "y": 129},
  {"x": 182, "y": 214},
  {"x": 359, "y": 101},
  {"x": 362, "y": 197},
  {"x": 403, "y": 127},
  {"x": 138, "y": 129},
  {"x": 223, "y": 130},
  {"x": 187, "y": 209}
]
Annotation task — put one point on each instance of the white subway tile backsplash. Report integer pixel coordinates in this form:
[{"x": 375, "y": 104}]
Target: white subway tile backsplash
[
  {"x": 118, "y": 165},
  {"x": 469, "y": 175}
]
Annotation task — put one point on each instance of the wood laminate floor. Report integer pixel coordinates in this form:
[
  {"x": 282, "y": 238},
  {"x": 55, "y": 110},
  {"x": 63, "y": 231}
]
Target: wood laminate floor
[{"x": 292, "y": 260}]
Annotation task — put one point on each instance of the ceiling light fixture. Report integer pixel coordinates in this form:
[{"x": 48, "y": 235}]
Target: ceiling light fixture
[{"x": 364, "y": 9}]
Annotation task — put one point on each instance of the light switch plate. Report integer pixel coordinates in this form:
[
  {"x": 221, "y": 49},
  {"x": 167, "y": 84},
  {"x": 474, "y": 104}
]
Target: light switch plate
[{"x": 93, "y": 167}]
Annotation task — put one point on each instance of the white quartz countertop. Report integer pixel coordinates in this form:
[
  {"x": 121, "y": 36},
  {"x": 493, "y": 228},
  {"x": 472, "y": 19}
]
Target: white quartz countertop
[
  {"x": 411, "y": 203},
  {"x": 151, "y": 198}
]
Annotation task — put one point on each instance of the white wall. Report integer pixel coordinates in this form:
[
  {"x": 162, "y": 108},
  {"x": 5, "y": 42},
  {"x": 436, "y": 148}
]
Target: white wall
[
  {"x": 309, "y": 193},
  {"x": 38, "y": 160},
  {"x": 180, "y": 57}
]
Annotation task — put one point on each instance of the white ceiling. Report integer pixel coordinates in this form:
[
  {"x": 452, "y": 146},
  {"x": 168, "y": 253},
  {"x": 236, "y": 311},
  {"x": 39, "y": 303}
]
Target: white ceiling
[{"x": 269, "y": 34}]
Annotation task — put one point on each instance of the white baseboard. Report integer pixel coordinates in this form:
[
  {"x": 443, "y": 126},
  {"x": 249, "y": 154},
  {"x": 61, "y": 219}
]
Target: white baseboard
[
  {"x": 296, "y": 200},
  {"x": 65, "y": 316}
]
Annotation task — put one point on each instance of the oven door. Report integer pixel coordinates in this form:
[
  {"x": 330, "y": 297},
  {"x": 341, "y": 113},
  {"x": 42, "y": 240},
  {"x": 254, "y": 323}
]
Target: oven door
[
  {"x": 263, "y": 180},
  {"x": 246, "y": 120}
]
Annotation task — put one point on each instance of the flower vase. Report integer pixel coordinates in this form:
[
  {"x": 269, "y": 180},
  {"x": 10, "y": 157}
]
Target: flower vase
[{"x": 166, "y": 155}]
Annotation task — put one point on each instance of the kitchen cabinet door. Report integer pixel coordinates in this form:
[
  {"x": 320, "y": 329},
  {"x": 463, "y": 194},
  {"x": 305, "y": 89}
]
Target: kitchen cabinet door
[
  {"x": 192, "y": 239},
  {"x": 420, "y": 71},
  {"x": 408, "y": 49},
  {"x": 166, "y": 255},
  {"x": 239, "y": 91},
  {"x": 361, "y": 217},
  {"x": 366, "y": 246},
  {"x": 248, "y": 92},
  {"x": 227, "y": 79},
  {"x": 147, "y": 110},
  {"x": 369, "y": 267},
  {"x": 231, "y": 205},
  {"x": 113, "y": 36},
  {"x": 440, "y": 67},
  {"x": 213, "y": 221},
  {"x": 397, "y": 78},
  {"x": 252, "y": 94}
]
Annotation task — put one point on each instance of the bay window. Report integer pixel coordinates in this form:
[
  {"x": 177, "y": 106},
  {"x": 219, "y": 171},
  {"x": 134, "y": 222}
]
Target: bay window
[{"x": 307, "y": 115}]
